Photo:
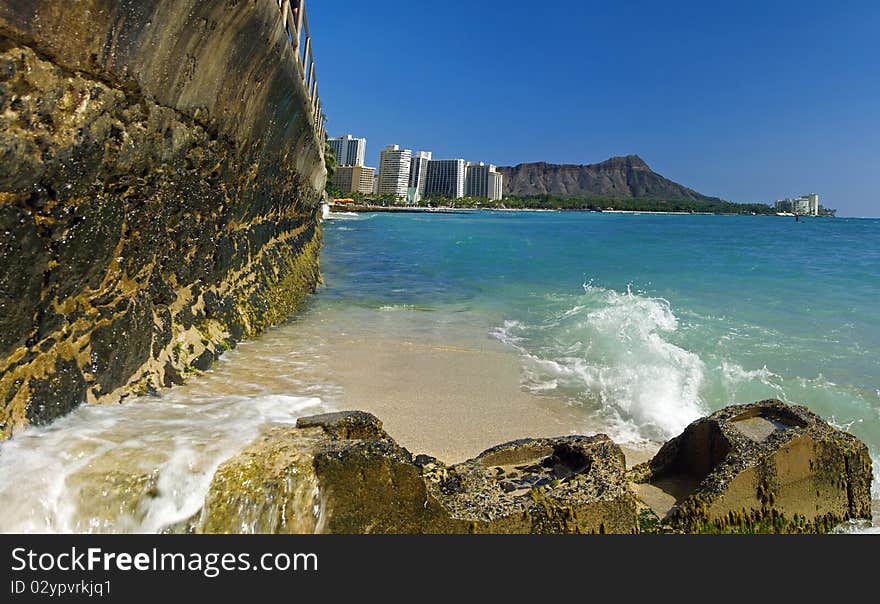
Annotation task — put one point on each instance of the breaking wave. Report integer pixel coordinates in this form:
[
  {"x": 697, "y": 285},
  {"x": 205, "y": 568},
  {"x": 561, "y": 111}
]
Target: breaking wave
[
  {"x": 620, "y": 357},
  {"x": 611, "y": 354},
  {"x": 134, "y": 468}
]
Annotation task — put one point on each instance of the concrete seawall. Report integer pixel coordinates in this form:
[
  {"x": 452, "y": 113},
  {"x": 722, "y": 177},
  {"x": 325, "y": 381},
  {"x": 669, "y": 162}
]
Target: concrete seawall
[{"x": 159, "y": 194}]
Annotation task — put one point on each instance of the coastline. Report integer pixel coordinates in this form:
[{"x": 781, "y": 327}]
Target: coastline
[
  {"x": 359, "y": 208},
  {"x": 451, "y": 401}
]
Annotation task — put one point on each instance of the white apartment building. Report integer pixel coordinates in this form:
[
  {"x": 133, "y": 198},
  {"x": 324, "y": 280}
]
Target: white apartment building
[
  {"x": 418, "y": 172},
  {"x": 813, "y": 199},
  {"x": 483, "y": 181},
  {"x": 394, "y": 168},
  {"x": 446, "y": 178},
  {"x": 805, "y": 205},
  {"x": 350, "y": 151}
]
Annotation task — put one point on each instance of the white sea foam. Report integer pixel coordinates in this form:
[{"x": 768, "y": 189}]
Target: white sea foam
[
  {"x": 92, "y": 471},
  {"x": 736, "y": 374},
  {"x": 396, "y": 307},
  {"x": 619, "y": 357},
  {"x": 737, "y": 382},
  {"x": 609, "y": 352},
  {"x": 507, "y": 332}
]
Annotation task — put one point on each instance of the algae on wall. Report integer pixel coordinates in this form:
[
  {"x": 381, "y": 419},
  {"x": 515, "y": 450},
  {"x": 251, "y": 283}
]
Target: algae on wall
[{"x": 159, "y": 194}]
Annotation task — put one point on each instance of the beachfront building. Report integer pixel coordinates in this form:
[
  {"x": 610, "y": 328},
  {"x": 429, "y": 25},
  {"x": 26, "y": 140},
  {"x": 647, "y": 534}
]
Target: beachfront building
[
  {"x": 483, "y": 180},
  {"x": 496, "y": 186},
  {"x": 805, "y": 205},
  {"x": 349, "y": 151},
  {"x": 394, "y": 165},
  {"x": 354, "y": 179},
  {"x": 813, "y": 199},
  {"x": 446, "y": 178},
  {"x": 418, "y": 171}
]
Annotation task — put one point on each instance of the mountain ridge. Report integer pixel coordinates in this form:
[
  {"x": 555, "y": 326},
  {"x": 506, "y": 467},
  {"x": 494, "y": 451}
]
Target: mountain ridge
[{"x": 624, "y": 177}]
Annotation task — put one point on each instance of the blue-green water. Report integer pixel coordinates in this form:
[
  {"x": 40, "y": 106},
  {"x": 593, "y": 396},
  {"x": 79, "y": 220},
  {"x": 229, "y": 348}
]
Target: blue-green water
[
  {"x": 637, "y": 324},
  {"x": 644, "y": 322}
]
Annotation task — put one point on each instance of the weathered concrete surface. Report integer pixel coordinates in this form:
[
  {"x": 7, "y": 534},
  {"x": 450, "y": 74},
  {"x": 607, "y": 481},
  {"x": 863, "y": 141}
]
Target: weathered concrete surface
[
  {"x": 764, "y": 467},
  {"x": 158, "y": 194},
  {"x": 341, "y": 473}
]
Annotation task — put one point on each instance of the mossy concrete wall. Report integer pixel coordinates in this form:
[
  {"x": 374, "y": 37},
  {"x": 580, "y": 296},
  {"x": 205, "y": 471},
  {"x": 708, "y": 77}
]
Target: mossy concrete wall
[{"x": 160, "y": 183}]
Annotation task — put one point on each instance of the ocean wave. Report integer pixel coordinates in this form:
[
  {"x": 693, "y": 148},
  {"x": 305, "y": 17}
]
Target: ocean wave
[
  {"x": 736, "y": 382},
  {"x": 404, "y": 307},
  {"x": 608, "y": 352},
  {"x": 620, "y": 357},
  {"x": 736, "y": 374},
  {"x": 102, "y": 456}
]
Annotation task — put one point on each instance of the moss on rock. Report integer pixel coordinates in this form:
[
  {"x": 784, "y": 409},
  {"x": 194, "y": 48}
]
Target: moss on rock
[
  {"x": 767, "y": 467},
  {"x": 150, "y": 220},
  {"x": 341, "y": 473}
]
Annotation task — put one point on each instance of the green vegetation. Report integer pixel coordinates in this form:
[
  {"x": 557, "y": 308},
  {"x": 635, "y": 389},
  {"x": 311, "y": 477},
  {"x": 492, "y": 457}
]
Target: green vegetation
[
  {"x": 710, "y": 205},
  {"x": 330, "y": 162},
  {"x": 548, "y": 202}
]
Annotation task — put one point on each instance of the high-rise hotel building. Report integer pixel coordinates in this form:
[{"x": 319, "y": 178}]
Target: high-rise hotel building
[
  {"x": 350, "y": 151},
  {"x": 418, "y": 173},
  {"x": 394, "y": 168},
  {"x": 483, "y": 181},
  {"x": 807, "y": 205},
  {"x": 446, "y": 178},
  {"x": 496, "y": 185}
]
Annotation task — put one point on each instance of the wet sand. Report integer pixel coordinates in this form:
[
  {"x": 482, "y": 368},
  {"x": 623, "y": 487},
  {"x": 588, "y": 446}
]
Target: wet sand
[{"x": 451, "y": 402}]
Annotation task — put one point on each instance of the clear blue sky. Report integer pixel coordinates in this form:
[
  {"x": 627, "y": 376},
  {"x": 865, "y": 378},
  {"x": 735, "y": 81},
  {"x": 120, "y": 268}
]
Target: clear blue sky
[{"x": 746, "y": 100}]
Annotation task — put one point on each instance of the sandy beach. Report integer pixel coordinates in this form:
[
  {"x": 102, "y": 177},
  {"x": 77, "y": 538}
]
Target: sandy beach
[{"x": 451, "y": 402}]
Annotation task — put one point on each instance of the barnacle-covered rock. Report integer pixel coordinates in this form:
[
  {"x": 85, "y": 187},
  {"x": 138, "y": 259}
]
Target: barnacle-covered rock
[{"x": 763, "y": 467}]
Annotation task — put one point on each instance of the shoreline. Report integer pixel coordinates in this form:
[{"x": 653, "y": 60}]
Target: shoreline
[
  {"x": 466, "y": 399},
  {"x": 359, "y": 208}
]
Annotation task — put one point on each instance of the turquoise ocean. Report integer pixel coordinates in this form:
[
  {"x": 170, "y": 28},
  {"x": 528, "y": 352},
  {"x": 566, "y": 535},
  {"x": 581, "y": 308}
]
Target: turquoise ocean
[
  {"x": 642, "y": 322},
  {"x": 636, "y": 324}
]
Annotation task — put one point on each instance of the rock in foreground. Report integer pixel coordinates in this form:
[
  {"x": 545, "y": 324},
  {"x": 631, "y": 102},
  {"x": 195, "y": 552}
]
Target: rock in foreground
[
  {"x": 764, "y": 467},
  {"x": 574, "y": 484},
  {"x": 341, "y": 473}
]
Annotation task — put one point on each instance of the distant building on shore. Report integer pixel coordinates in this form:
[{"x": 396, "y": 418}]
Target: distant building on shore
[
  {"x": 496, "y": 186},
  {"x": 483, "y": 181},
  {"x": 349, "y": 151},
  {"x": 394, "y": 168},
  {"x": 351, "y": 179},
  {"x": 446, "y": 178},
  {"x": 418, "y": 172},
  {"x": 805, "y": 205}
]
